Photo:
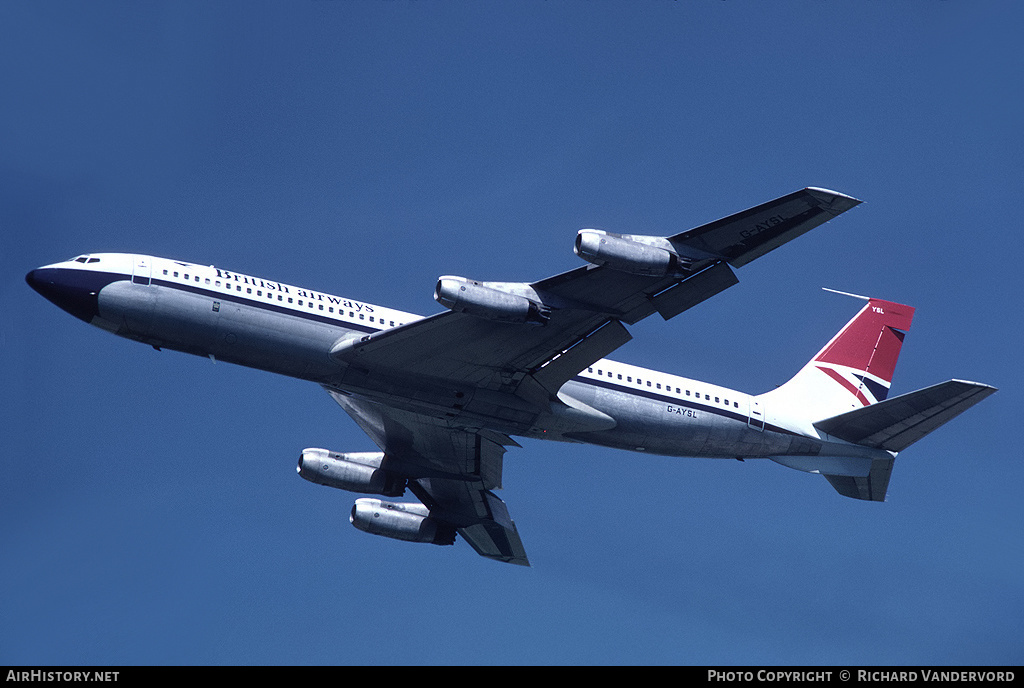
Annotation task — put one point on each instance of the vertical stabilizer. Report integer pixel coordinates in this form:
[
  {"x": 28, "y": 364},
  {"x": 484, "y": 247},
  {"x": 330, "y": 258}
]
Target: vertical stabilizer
[{"x": 854, "y": 369}]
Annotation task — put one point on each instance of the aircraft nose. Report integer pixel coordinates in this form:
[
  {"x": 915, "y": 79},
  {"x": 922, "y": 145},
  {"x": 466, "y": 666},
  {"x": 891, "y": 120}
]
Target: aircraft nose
[
  {"x": 66, "y": 289},
  {"x": 33, "y": 278},
  {"x": 41, "y": 279}
]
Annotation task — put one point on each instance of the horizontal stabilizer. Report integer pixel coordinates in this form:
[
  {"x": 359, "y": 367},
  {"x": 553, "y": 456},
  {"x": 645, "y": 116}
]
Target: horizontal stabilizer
[
  {"x": 854, "y": 466},
  {"x": 871, "y": 487},
  {"x": 895, "y": 424},
  {"x": 857, "y": 477}
]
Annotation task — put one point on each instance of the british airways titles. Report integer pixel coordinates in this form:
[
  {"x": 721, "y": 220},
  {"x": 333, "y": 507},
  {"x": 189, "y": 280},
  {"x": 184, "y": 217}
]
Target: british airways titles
[{"x": 299, "y": 293}]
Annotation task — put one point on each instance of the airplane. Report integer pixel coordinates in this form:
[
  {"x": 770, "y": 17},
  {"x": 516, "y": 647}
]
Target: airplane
[{"x": 443, "y": 396}]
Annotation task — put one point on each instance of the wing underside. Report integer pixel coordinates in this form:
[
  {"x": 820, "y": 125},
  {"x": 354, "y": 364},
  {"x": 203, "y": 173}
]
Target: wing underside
[
  {"x": 466, "y": 349},
  {"x": 441, "y": 395},
  {"x": 450, "y": 470}
]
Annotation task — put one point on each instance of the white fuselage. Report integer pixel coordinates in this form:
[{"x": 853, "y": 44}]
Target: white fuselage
[{"x": 290, "y": 330}]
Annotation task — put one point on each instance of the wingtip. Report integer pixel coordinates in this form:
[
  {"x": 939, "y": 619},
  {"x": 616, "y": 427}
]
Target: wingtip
[{"x": 835, "y": 202}]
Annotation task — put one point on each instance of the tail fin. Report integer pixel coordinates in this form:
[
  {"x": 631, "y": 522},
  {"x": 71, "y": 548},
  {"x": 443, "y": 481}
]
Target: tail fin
[
  {"x": 842, "y": 392},
  {"x": 854, "y": 369}
]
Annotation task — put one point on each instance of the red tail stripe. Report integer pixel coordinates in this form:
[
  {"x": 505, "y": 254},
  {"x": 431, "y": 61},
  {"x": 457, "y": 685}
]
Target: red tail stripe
[
  {"x": 871, "y": 342},
  {"x": 852, "y": 388}
]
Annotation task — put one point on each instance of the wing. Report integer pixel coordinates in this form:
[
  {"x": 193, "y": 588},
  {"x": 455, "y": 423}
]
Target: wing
[
  {"x": 450, "y": 469},
  {"x": 587, "y": 308},
  {"x": 432, "y": 393},
  {"x": 742, "y": 237}
]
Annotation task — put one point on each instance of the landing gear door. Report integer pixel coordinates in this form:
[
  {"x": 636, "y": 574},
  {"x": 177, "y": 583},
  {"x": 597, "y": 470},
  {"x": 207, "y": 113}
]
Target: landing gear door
[
  {"x": 142, "y": 270},
  {"x": 756, "y": 418}
]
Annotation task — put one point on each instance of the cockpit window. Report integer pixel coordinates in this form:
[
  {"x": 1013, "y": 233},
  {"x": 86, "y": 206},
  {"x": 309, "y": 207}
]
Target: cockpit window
[
  {"x": 86, "y": 259},
  {"x": 93, "y": 260}
]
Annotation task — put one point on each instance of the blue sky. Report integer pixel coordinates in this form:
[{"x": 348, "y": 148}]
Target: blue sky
[{"x": 150, "y": 509}]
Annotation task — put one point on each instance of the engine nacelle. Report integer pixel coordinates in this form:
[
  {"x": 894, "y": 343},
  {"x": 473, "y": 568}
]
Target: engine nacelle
[
  {"x": 402, "y": 521},
  {"x": 353, "y": 471},
  {"x": 627, "y": 254},
  {"x": 467, "y": 296}
]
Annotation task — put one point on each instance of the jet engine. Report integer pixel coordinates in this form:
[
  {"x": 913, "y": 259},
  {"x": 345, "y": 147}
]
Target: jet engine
[
  {"x": 353, "y": 471},
  {"x": 639, "y": 255},
  {"x": 402, "y": 521},
  {"x": 467, "y": 296}
]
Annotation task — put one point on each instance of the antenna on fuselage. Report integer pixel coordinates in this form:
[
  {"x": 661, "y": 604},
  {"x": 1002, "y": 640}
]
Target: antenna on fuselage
[{"x": 846, "y": 293}]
